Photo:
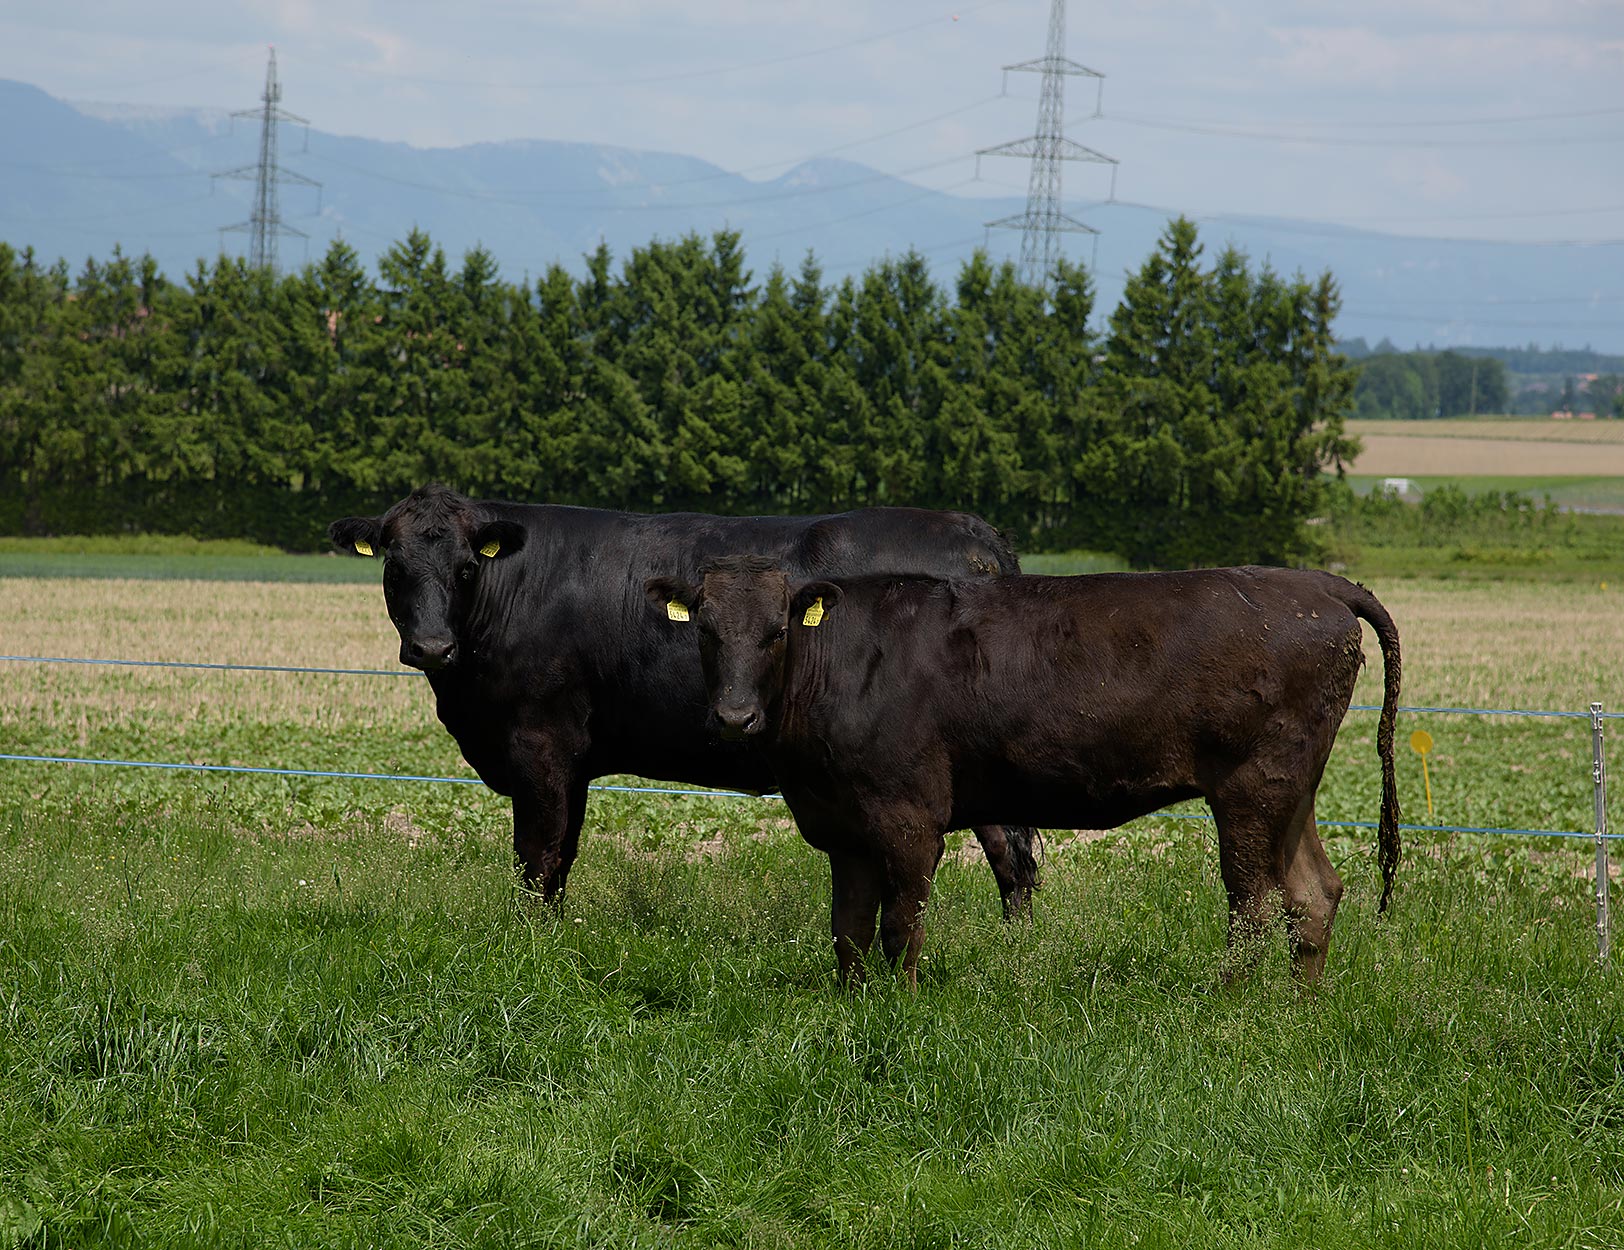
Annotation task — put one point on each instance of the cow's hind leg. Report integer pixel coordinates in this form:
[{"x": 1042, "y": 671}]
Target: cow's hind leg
[
  {"x": 1249, "y": 829},
  {"x": 1311, "y": 890},
  {"x": 1009, "y": 852},
  {"x": 858, "y": 885},
  {"x": 1270, "y": 855}
]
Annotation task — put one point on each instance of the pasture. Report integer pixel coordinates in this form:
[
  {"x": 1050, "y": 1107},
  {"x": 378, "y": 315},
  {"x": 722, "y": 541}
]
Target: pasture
[
  {"x": 240, "y": 1010},
  {"x": 1578, "y": 463}
]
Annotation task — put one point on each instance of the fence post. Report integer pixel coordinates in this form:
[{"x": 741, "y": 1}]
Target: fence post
[{"x": 1599, "y": 773}]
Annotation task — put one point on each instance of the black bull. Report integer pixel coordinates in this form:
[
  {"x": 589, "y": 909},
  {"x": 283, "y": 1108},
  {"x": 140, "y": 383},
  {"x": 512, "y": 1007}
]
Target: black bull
[
  {"x": 903, "y": 707},
  {"x": 533, "y": 628}
]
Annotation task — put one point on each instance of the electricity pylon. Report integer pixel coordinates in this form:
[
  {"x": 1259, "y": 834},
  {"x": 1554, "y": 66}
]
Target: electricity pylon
[
  {"x": 1043, "y": 221},
  {"x": 265, "y": 224}
]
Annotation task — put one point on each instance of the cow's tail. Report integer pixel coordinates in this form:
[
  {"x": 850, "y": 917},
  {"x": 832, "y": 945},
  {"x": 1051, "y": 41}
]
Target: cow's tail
[
  {"x": 1367, "y": 607},
  {"x": 1025, "y": 850}
]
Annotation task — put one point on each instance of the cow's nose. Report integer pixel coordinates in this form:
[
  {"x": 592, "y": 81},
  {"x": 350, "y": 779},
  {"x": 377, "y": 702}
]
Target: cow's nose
[
  {"x": 428, "y": 654},
  {"x": 738, "y": 722}
]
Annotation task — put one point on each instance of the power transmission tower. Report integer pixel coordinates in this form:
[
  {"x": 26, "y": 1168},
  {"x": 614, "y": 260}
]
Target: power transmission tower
[
  {"x": 265, "y": 225},
  {"x": 1043, "y": 221}
]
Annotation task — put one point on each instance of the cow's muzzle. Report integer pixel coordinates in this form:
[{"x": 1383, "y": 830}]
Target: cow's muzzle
[
  {"x": 737, "y": 723},
  {"x": 429, "y": 654}
]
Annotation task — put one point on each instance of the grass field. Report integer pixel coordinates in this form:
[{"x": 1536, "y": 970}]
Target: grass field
[
  {"x": 1478, "y": 448},
  {"x": 1595, "y": 493},
  {"x": 248, "y": 1010},
  {"x": 1503, "y": 429},
  {"x": 173, "y": 557}
]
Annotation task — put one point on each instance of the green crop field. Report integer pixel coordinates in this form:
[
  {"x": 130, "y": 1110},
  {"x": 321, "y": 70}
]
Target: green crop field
[
  {"x": 247, "y": 1010},
  {"x": 1594, "y": 493},
  {"x": 1577, "y": 464},
  {"x": 169, "y": 557}
]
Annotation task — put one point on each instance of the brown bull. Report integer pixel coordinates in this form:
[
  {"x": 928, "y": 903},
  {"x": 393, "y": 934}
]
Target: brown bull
[{"x": 892, "y": 709}]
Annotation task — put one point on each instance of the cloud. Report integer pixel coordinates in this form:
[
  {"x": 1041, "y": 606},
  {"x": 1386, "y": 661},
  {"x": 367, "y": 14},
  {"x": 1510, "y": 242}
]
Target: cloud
[
  {"x": 1473, "y": 14},
  {"x": 1430, "y": 175},
  {"x": 1348, "y": 56}
]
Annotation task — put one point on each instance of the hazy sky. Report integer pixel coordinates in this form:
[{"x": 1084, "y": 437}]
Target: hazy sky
[{"x": 1459, "y": 118}]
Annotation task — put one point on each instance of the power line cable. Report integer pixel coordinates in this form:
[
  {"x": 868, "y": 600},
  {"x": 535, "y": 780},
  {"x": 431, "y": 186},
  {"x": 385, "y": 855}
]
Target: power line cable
[
  {"x": 1471, "y": 320},
  {"x": 1331, "y": 229},
  {"x": 49, "y": 172},
  {"x": 609, "y": 206},
  {"x": 87, "y": 168},
  {"x": 521, "y": 197},
  {"x": 1408, "y": 123},
  {"x": 867, "y": 212},
  {"x": 227, "y": 63},
  {"x": 1272, "y": 136},
  {"x": 1508, "y": 215}
]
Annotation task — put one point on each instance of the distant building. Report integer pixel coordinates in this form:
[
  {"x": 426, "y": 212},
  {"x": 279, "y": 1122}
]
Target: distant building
[{"x": 1402, "y": 487}]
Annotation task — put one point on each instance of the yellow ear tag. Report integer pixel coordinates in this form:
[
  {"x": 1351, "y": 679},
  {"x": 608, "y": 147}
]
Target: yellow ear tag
[
  {"x": 814, "y": 614},
  {"x": 363, "y": 547},
  {"x": 490, "y": 549},
  {"x": 675, "y": 611}
]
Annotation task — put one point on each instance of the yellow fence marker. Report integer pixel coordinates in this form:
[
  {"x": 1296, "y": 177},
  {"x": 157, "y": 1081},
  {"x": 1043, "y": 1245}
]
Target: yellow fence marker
[{"x": 1421, "y": 743}]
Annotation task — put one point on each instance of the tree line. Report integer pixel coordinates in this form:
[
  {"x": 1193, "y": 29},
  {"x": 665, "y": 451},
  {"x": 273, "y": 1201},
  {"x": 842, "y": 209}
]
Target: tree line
[
  {"x": 1422, "y": 385},
  {"x": 1468, "y": 381},
  {"x": 1193, "y": 429}
]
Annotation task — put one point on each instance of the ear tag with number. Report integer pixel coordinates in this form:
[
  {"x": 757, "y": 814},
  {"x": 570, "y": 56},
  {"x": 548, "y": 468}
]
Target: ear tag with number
[
  {"x": 675, "y": 611},
  {"x": 363, "y": 547},
  {"x": 814, "y": 614},
  {"x": 490, "y": 549}
]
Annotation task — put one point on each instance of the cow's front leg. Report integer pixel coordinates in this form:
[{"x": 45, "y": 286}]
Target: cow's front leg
[
  {"x": 547, "y": 817},
  {"x": 857, "y": 888}
]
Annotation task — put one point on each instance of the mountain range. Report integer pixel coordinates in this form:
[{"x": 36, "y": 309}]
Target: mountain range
[{"x": 76, "y": 179}]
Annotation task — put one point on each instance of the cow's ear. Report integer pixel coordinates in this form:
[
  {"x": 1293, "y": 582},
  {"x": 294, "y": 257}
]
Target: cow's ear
[
  {"x": 672, "y": 597},
  {"x": 496, "y": 539},
  {"x": 812, "y": 602},
  {"x": 359, "y": 535}
]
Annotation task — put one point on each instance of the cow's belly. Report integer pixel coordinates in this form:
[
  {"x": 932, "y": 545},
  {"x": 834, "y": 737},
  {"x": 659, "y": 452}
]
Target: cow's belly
[
  {"x": 662, "y": 738},
  {"x": 1060, "y": 806},
  {"x": 501, "y": 757},
  {"x": 1055, "y": 783},
  {"x": 698, "y": 761}
]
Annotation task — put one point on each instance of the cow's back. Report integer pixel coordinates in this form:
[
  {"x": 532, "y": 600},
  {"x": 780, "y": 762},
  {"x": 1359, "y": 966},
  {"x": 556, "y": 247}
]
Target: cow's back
[{"x": 1029, "y": 694}]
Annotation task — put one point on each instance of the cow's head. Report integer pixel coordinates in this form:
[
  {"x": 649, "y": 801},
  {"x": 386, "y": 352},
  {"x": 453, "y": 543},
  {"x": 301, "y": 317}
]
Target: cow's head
[
  {"x": 434, "y": 545},
  {"x": 742, "y": 610}
]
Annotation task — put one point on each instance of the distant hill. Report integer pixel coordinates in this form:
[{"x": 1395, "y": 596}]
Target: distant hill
[{"x": 76, "y": 179}]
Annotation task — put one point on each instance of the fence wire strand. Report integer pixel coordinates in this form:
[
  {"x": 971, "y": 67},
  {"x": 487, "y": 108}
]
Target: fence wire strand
[
  {"x": 682, "y": 793},
  {"x": 391, "y": 672},
  {"x": 711, "y": 794}
]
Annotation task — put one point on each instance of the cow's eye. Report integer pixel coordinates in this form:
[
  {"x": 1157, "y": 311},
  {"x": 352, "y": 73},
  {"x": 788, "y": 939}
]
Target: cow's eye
[
  {"x": 778, "y": 635},
  {"x": 467, "y": 570}
]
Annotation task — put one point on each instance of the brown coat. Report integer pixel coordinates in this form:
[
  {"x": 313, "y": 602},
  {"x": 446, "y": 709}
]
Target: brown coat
[{"x": 918, "y": 705}]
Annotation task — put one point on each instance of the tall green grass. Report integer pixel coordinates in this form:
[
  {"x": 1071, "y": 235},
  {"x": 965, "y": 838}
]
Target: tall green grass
[
  {"x": 1582, "y": 494},
  {"x": 361, "y": 1033},
  {"x": 1483, "y": 535},
  {"x": 249, "y": 1011}
]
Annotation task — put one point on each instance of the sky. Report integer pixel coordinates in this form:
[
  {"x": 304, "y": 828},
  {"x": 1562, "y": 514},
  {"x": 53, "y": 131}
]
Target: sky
[{"x": 1495, "y": 119}]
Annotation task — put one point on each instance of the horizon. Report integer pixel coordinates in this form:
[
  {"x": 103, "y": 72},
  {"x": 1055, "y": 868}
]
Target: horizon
[{"x": 1430, "y": 122}]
